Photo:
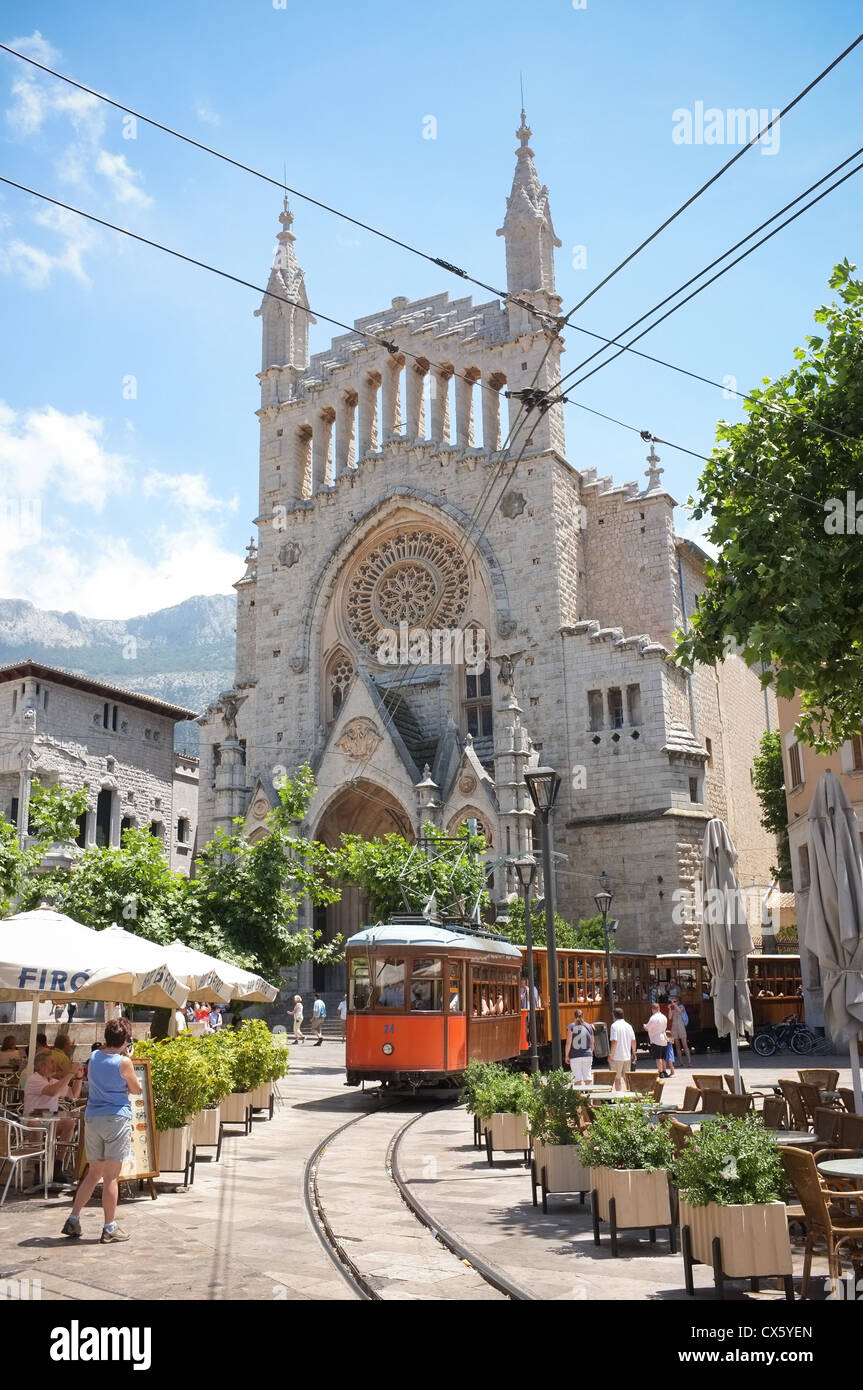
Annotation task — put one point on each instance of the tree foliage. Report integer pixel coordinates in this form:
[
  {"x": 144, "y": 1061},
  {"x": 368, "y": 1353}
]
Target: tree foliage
[
  {"x": 768, "y": 779},
  {"x": 54, "y": 813},
  {"x": 453, "y": 872},
  {"x": 586, "y": 936},
  {"x": 787, "y": 587}
]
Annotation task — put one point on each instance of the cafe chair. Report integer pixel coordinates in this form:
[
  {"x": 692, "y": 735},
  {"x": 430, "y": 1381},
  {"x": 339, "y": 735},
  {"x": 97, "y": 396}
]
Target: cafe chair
[
  {"x": 603, "y": 1078},
  {"x": 774, "y": 1113},
  {"x": 828, "y": 1214},
  {"x": 851, "y": 1132},
  {"x": 825, "y": 1078},
  {"x": 846, "y": 1095},
  {"x": 644, "y": 1082},
  {"x": 18, "y": 1143},
  {"x": 691, "y": 1096},
  {"x": 707, "y": 1081},
  {"x": 810, "y": 1099},
  {"x": 791, "y": 1091},
  {"x": 735, "y": 1105},
  {"x": 711, "y": 1102}
]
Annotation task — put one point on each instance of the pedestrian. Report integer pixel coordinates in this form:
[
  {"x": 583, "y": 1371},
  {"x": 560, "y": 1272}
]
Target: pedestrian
[
  {"x": 579, "y": 1048},
  {"x": 71, "y": 1010},
  {"x": 297, "y": 1012},
  {"x": 669, "y": 1057},
  {"x": 343, "y": 1015},
  {"x": 656, "y": 1027},
  {"x": 319, "y": 1013},
  {"x": 107, "y": 1128},
  {"x": 623, "y": 1052},
  {"x": 215, "y": 1021},
  {"x": 678, "y": 1020}
]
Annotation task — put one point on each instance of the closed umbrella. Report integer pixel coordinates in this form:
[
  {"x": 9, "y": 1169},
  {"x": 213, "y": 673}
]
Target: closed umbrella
[
  {"x": 244, "y": 986},
  {"x": 725, "y": 938},
  {"x": 834, "y": 918}
]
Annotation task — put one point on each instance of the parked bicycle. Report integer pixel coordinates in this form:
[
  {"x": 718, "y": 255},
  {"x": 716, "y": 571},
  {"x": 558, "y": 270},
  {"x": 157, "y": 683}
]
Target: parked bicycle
[{"x": 779, "y": 1037}]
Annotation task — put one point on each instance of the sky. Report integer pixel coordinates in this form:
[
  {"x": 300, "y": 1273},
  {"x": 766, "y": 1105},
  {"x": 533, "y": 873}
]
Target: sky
[{"x": 128, "y": 440}]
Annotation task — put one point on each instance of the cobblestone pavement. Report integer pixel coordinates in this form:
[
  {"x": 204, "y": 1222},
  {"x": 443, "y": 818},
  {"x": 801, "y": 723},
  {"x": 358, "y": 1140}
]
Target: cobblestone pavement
[{"x": 243, "y": 1230}]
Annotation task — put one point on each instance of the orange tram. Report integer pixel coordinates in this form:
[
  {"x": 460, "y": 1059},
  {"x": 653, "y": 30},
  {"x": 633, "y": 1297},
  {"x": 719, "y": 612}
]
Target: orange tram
[{"x": 425, "y": 999}]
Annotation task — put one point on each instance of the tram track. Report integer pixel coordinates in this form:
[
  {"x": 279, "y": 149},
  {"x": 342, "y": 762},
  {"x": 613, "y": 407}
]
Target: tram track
[{"x": 436, "y": 1264}]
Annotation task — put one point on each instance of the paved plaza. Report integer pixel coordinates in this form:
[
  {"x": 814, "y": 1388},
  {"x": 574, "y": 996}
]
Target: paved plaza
[{"x": 245, "y": 1231}]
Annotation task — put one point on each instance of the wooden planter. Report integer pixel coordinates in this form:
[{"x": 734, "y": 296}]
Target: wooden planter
[
  {"x": 558, "y": 1168},
  {"x": 506, "y": 1132},
  {"x": 207, "y": 1130},
  {"x": 237, "y": 1109},
  {"x": 262, "y": 1097},
  {"x": 738, "y": 1242},
  {"x": 176, "y": 1152},
  {"x": 631, "y": 1199}
]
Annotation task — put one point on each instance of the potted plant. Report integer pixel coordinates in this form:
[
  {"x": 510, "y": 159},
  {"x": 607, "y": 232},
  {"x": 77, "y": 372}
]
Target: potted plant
[
  {"x": 473, "y": 1076},
  {"x": 556, "y": 1115},
  {"x": 501, "y": 1099},
  {"x": 217, "y": 1069},
  {"x": 732, "y": 1209},
  {"x": 180, "y": 1091},
  {"x": 630, "y": 1156},
  {"x": 273, "y": 1065}
]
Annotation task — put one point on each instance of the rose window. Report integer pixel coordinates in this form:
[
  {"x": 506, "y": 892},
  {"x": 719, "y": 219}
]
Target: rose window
[{"x": 416, "y": 577}]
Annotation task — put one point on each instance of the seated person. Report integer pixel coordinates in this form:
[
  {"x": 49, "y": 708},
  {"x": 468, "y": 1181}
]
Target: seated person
[
  {"x": 45, "y": 1088},
  {"x": 62, "y": 1054},
  {"x": 483, "y": 1007},
  {"x": 392, "y": 996},
  {"x": 453, "y": 1004},
  {"x": 10, "y": 1053},
  {"x": 500, "y": 1007}
]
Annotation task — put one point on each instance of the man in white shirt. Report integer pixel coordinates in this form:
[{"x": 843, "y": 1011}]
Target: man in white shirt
[
  {"x": 622, "y": 1052},
  {"x": 656, "y": 1027},
  {"x": 343, "y": 1015}
]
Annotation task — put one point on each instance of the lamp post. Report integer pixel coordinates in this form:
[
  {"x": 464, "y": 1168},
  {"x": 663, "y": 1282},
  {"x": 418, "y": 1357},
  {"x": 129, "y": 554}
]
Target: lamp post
[
  {"x": 603, "y": 900},
  {"x": 526, "y": 870},
  {"x": 543, "y": 784}
]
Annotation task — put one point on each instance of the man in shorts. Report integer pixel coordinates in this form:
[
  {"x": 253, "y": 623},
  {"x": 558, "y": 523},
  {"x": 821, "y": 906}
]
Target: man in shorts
[
  {"x": 107, "y": 1128},
  {"x": 622, "y": 1053},
  {"x": 656, "y": 1027},
  {"x": 579, "y": 1048}
]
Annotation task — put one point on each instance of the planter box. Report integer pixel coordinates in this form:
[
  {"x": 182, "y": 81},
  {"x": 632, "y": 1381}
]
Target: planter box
[
  {"x": 754, "y": 1239},
  {"x": 507, "y": 1131},
  {"x": 564, "y": 1170},
  {"x": 206, "y": 1126},
  {"x": 174, "y": 1147},
  {"x": 641, "y": 1199},
  {"x": 235, "y": 1108},
  {"x": 261, "y": 1096}
]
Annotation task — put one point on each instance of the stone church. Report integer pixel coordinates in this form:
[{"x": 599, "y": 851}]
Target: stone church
[{"x": 405, "y": 487}]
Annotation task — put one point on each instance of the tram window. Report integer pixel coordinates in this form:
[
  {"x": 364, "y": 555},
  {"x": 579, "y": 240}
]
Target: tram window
[
  {"x": 426, "y": 986},
  {"x": 361, "y": 993},
  {"x": 456, "y": 1004},
  {"x": 686, "y": 979},
  {"x": 390, "y": 983}
]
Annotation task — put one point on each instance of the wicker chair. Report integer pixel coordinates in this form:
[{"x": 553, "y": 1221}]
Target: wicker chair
[
  {"x": 827, "y": 1126},
  {"x": 827, "y": 1214},
  {"x": 706, "y": 1081},
  {"x": 735, "y": 1105},
  {"x": 691, "y": 1096},
  {"x": 791, "y": 1092},
  {"x": 850, "y": 1131},
  {"x": 846, "y": 1095},
  {"x": 603, "y": 1078},
  {"x": 824, "y": 1077},
  {"x": 810, "y": 1097},
  {"x": 680, "y": 1135},
  {"x": 711, "y": 1102},
  {"x": 644, "y": 1082},
  {"x": 774, "y": 1113}
]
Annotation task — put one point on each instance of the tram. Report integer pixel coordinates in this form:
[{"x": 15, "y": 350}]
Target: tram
[{"x": 424, "y": 1000}]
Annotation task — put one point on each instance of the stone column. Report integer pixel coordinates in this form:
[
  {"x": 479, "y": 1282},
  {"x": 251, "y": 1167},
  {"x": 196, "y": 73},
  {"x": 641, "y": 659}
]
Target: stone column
[
  {"x": 367, "y": 417},
  {"x": 300, "y": 464},
  {"x": 345, "y": 432},
  {"x": 440, "y": 404},
  {"x": 114, "y": 828},
  {"x": 391, "y": 399},
  {"x": 24, "y": 782},
  {"x": 230, "y": 784},
  {"x": 491, "y": 412},
  {"x": 464, "y": 386},
  {"x": 322, "y": 448},
  {"x": 90, "y": 828},
  {"x": 415, "y": 377}
]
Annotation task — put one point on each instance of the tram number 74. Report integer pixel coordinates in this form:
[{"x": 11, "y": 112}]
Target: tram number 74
[{"x": 389, "y": 1027}]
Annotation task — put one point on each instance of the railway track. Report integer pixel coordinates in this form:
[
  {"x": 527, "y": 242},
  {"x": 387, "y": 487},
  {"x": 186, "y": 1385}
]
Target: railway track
[{"x": 375, "y": 1229}]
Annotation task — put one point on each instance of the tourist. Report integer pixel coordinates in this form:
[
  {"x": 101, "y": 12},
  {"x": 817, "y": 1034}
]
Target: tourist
[
  {"x": 71, "y": 1010},
  {"x": 343, "y": 1015},
  {"x": 62, "y": 1054},
  {"x": 10, "y": 1053},
  {"x": 669, "y": 1057},
  {"x": 45, "y": 1088},
  {"x": 524, "y": 997},
  {"x": 215, "y": 1020},
  {"x": 297, "y": 1012},
  {"x": 656, "y": 1027},
  {"x": 579, "y": 1048},
  {"x": 202, "y": 1013},
  {"x": 678, "y": 1020},
  {"x": 623, "y": 1052},
  {"x": 107, "y": 1128},
  {"x": 319, "y": 1013}
]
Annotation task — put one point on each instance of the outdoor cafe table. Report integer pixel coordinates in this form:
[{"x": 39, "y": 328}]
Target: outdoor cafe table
[
  {"x": 800, "y": 1138},
  {"x": 842, "y": 1168}
]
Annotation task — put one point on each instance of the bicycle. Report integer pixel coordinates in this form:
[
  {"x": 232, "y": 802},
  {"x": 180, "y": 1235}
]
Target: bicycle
[{"x": 790, "y": 1033}]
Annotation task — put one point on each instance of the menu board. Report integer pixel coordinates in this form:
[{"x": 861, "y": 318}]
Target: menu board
[{"x": 143, "y": 1160}]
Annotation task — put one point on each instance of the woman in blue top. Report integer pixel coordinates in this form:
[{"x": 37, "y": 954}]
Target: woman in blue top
[{"x": 108, "y": 1127}]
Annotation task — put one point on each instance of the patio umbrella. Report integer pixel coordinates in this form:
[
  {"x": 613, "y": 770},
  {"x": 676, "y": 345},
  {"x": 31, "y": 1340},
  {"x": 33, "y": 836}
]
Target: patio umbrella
[
  {"x": 205, "y": 985},
  {"x": 243, "y": 985},
  {"x": 834, "y": 918},
  {"x": 46, "y": 955},
  {"x": 725, "y": 938}
]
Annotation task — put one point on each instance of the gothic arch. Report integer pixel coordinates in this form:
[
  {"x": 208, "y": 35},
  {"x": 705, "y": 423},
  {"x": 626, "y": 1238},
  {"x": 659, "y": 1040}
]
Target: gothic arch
[{"x": 471, "y": 813}]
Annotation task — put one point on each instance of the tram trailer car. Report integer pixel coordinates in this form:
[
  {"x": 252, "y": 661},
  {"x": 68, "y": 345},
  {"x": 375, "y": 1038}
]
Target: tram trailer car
[{"x": 425, "y": 1000}]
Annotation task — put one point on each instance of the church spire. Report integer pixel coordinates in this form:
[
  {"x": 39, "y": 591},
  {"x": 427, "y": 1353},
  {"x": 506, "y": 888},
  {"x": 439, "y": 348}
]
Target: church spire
[
  {"x": 285, "y": 327},
  {"x": 529, "y": 235}
]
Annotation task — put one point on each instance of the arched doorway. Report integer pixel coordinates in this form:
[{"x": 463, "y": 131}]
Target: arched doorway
[{"x": 361, "y": 809}]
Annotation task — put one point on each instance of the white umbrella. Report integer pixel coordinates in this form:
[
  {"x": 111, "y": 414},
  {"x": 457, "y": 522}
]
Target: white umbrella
[
  {"x": 725, "y": 938},
  {"x": 204, "y": 984},
  {"x": 243, "y": 985},
  {"x": 834, "y": 919},
  {"x": 46, "y": 955}
]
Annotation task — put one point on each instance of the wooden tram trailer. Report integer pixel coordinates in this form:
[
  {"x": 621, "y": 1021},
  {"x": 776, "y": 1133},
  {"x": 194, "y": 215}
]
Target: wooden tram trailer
[{"x": 424, "y": 1000}]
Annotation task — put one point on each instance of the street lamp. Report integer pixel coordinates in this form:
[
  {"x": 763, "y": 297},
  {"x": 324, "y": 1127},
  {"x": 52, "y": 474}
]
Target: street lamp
[
  {"x": 543, "y": 784},
  {"x": 603, "y": 900},
  {"x": 526, "y": 870}
]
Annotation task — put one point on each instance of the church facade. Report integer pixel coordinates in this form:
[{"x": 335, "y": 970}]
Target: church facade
[{"x": 416, "y": 508}]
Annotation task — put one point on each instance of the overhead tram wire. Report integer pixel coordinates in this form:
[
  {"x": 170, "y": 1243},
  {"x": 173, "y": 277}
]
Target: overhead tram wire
[
  {"x": 718, "y": 175},
  {"x": 394, "y": 349},
  {"x": 716, "y": 261},
  {"x": 281, "y": 184}
]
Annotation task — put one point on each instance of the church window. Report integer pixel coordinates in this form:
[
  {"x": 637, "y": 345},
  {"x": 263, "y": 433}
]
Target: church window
[
  {"x": 708, "y": 743},
  {"x": 633, "y": 704},
  {"x": 615, "y": 708},
  {"x": 477, "y": 704},
  {"x": 594, "y": 709},
  {"x": 803, "y": 861},
  {"x": 183, "y": 830},
  {"x": 340, "y": 673},
  {"x": 694, "y": 791}
]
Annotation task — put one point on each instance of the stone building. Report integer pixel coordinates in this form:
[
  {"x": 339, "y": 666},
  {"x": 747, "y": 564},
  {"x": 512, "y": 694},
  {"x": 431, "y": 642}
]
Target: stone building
[
  {"x": 407, "y": 490},
  {"x": 56, "y": 727}
]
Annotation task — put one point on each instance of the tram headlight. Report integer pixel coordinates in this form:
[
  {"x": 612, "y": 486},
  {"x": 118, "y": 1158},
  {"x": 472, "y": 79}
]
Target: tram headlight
[{"x": 387, "y": 1049}]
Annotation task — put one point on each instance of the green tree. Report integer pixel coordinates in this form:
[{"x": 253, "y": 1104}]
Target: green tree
[
  {"x": 55, "y": 812},
  {"x": 768, "y": 779},
  {"x": 586, "y": 936},
  {"x": 397, "y": 876},
  {"x": 787, "y": 587}
]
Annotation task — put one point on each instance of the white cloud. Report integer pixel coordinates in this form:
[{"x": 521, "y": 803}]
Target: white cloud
[
  {"x": 122, "y": 179},
  {"x": 189, "y": 490},
  {"x": 47, "y": 452},
  {"x": 206, "y": 114},
  {"x": 35, "y": 266}
]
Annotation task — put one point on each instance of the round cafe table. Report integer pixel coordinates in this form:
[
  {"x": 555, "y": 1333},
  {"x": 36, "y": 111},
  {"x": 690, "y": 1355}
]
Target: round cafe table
[
  {"x": 842, "y": 1167},
  {"x": 799, "y": 1138}
]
